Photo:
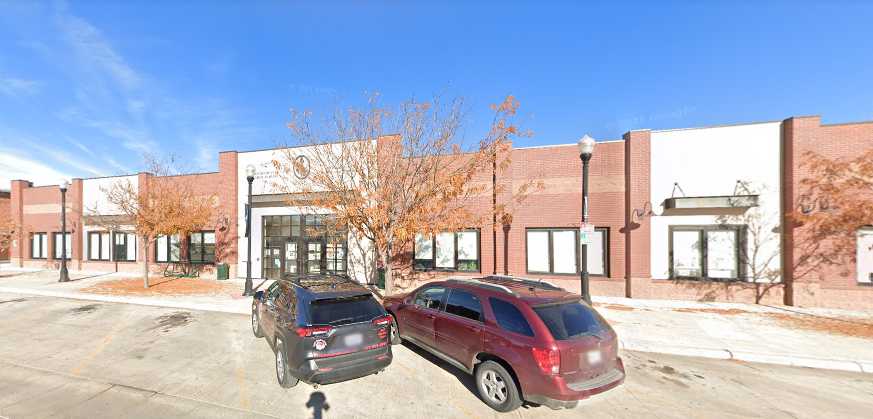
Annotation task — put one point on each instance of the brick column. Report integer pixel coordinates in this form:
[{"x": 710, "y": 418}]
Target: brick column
[
  {"x": 227, "y": 236},
  {"x": 16, "y": 206},
  {"x": 637, "y": 193}
]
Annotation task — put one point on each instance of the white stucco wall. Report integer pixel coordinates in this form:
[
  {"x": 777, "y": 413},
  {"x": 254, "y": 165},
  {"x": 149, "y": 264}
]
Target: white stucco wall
[
  {"x": 266, "y": 182},
  {"x": 708, "y": 162},
  {"x": 94, "y": 197}
]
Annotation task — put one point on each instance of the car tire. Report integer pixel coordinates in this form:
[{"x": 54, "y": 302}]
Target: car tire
[
  {"x": 395, "y": 332},
  {"x": 283, "y": 372},
  {"x": 496, "y": 387},
  {"x": 256, "y": 324}
]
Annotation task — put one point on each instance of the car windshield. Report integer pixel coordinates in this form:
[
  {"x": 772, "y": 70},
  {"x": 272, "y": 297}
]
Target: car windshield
[
  {"x": 342, "y": 311},
  {"x": 569, "y": 320}
]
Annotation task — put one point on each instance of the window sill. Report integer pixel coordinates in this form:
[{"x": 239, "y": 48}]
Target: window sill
[
  {"x": 447, "y": 270},
  {"x": 568, "y": 275},
  {"x": 701, "y": 279}
]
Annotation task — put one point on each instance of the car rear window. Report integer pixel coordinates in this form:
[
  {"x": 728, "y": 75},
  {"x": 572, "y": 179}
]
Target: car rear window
[
  {"x": 509, "y": 318},
  {"x": 569, "y": 320},
  {"x": 342, "y": 311}
]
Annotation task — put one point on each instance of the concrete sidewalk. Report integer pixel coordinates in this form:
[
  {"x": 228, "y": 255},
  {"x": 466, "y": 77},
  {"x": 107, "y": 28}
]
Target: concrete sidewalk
[
  {"x": 806, "y": 337},
  {"x": 815, "y": 338}
]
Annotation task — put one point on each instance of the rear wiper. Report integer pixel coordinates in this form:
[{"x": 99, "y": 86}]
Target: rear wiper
[{"x": 344, "y": 319}]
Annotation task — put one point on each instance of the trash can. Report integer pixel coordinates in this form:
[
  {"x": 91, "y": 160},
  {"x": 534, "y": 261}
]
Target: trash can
[
  {"x": 380, "y": 280},
  {"x": 222, "y": 271}
]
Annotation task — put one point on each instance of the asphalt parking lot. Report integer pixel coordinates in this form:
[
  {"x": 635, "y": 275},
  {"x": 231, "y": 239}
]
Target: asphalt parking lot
[{"x": 68, "y": 358}]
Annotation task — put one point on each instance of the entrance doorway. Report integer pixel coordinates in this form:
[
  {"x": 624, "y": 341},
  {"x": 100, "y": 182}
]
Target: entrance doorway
[{"x": 301, "y": 244}]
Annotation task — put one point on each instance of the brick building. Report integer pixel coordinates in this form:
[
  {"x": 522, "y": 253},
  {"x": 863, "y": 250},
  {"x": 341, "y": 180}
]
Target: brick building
[
  {"x": 5, "y": 211},
  {"x": 676, "y": 214}
]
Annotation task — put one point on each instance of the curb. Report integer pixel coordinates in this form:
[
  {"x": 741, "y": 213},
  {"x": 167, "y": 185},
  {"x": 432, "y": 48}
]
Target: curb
[
  {"x": 746, "y": 356},
  {"x": 711, "y": 353},
  {"x": 129, "y": 300}
]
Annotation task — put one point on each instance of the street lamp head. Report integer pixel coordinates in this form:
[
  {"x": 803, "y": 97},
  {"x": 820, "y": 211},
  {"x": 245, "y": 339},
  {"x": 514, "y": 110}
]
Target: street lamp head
[
  {"x": 586, "y": 146},
  {"x": 250, "y": 172},
  {"x": 64, "y": 185}
]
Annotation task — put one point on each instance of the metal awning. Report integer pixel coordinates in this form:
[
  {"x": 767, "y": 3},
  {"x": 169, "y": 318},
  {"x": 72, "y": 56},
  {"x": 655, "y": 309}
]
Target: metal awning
[{"x": 709, "y": 205}]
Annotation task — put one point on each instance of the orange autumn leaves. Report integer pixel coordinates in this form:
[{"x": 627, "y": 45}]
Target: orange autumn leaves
[
  {"x": 391, "y": 173},
  {"x": 836, "y": 200}
]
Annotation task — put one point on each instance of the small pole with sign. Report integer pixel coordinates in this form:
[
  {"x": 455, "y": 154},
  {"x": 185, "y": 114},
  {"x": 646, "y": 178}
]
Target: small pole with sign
[{"x": 586, "y": 149}]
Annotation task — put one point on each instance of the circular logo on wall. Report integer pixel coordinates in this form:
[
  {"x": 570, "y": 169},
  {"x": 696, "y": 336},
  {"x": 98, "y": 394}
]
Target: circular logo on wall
[{"x": 301, "y": 167}]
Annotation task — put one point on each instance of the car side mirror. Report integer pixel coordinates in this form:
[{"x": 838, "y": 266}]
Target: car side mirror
[{"x": 259, "y": 295}]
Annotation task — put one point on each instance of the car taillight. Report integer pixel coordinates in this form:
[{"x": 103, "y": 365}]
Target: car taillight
[
  {"x": 313, "y": 331},
  {"x": 382, "y": 333},
  {"x": 382, "y": 321},
  {"x": 549, "y": 360}
]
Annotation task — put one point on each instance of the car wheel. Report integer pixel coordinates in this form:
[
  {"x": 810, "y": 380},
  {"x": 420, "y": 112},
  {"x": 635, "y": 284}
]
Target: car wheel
[
  {"x": 496, "y": 387},
  {"x": 256, "y": 324},
  {"x": 283, "y": 372},
  {"x": 395, "y": 332}
]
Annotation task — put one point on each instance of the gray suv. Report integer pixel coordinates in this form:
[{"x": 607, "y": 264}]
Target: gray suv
[{"x": 323, "y": 329}]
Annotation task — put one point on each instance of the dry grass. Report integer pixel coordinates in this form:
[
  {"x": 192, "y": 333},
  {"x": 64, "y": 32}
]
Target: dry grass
[
  {"x": 837, "y": 326},
  {"x": 721, "y": 311},
  {"x": 616, "y": 307},
  {"x": 163, "y": 286}
]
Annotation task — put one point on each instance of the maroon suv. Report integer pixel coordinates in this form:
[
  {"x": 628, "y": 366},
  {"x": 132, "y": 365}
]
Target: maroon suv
[{"x": 524, "y": 340}]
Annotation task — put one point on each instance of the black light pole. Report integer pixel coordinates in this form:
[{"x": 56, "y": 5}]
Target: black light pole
[
  {"x": 250, "y": 176},
  {"x": 65, "y": 276},
  {"x": 586, "y": 149}
]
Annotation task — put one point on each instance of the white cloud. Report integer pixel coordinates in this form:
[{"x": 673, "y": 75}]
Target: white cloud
[
  {"x": 14, "y": 166},
  {"x": 14, "y": 87},
  {"x": 91, "y": 47}
]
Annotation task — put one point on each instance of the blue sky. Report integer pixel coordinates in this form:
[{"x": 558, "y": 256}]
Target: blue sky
[{"x": 86, "y": 87}]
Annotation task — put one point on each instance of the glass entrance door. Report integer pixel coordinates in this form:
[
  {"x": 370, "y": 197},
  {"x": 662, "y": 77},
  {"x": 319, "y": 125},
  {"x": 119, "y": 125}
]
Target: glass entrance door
[
  {"x": 291, "y": 263},
  {"x": 272, "y": 262},
  {"x": 313, "y": 257}
]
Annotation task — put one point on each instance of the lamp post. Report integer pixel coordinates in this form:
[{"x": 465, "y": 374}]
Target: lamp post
[
  {"x": 65, "y": 276},
  {"x": 586, "y": 149},
  {"x": 250, "y": 176}
]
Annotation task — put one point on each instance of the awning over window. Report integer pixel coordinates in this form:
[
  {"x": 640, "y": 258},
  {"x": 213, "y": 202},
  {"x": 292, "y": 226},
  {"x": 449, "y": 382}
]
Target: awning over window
[{"x": 709, "y": 205}]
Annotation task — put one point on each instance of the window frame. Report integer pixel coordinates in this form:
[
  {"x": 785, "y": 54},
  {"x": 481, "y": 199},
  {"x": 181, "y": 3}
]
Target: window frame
[
  {"x": 455, "y": 259},
  {"x": 100, "y": 256},
  {"x": 577, "y": 252},
  {"x": 202, "y": 245},
  {"x": 126, "y": 235},
  {"x": 703, "y": 229},
  {"x": 55, "y": 235},
  {"x": 169, "y": 249},
  {"x": 43, "y": 240}
]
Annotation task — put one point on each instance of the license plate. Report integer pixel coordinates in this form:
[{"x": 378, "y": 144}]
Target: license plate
[
  {"x": 593, "y": 357},
  {"x": 353, "y": 339}
]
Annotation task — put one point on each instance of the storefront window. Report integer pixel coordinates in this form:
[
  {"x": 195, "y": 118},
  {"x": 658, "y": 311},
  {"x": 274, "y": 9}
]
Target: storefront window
[
  {"x": 201, "y": 247},
  {"x": 168, "y": 249},
  {"x": 711, "y": 252},
  {"x": 38, "y": 246},
  {"x": 65, "y": 240},
  {"x": 557, "y": 250},
  {"x": 447, "y": 251}
]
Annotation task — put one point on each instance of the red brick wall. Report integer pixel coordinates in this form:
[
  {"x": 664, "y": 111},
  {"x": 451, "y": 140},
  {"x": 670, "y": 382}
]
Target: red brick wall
[
  {"x": 829, "y": 285},
  {"x": 637, "y": 195},
  {"x": 38, "y": 211},
  {"x": 5, "y": 212}
]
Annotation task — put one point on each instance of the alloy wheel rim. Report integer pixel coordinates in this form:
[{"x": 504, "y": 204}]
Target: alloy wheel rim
[
  {"x": 280, "y": 366},
  {"x": 255, "y": 322},
  {"x": 494, "y": 386}
]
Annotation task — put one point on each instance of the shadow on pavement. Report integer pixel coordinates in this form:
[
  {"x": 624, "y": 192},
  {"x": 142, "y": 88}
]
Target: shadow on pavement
[
  {"x": 465, "y": 379},
  {"x": 318, "y": 403}
]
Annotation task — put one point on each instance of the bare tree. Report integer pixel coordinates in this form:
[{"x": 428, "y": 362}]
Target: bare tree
[
  {"x": 759, "y": 250},
  {"x": 391, "y": 174},
  {"x": 167, "y": 206}
]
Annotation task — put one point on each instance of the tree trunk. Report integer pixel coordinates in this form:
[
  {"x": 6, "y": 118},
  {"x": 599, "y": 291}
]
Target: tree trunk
[
  {"x": 145, "y": 262},
  {"x": 385, "y": 258}
]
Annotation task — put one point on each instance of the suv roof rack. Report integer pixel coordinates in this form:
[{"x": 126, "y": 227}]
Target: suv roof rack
[
  {"x": 530, "y": 283},
  {"x": 478, "y": 283},
  {"x": 323, "y": 282}
]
